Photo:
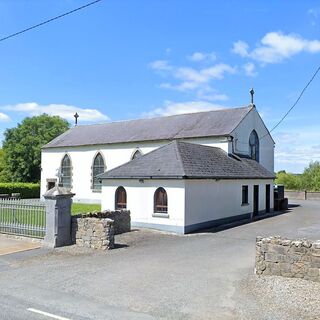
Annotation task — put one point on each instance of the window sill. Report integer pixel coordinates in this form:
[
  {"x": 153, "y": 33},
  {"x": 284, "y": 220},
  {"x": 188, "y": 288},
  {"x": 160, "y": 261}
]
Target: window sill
[
  {"x": 245, "y": 204},
  {"x": 160, "y": 215}
]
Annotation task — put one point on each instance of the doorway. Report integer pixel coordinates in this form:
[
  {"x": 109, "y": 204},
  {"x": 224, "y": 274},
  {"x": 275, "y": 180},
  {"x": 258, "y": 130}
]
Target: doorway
[
  {"x": 267, "y": 198},
  {"x": 255, "y": 200}
]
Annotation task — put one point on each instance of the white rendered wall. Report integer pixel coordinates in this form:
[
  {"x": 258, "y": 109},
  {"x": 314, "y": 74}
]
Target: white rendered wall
[
  {"x": 242, "y": 133},
  {"x": 208, "y": 200},
  {"x": 140, "y": 200},
  {"x": 114, "y": 155}
]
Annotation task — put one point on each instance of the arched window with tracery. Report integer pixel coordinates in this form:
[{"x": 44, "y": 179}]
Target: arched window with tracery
[
  {"x": 98, "y": 167},
  {"x": 66, "y": 172},
  {"x": 254, "y": 146},
  {"x": 136, "y": 154},
  {"x": 160, "y": 201},
  {"x": 121, "y": 198}
]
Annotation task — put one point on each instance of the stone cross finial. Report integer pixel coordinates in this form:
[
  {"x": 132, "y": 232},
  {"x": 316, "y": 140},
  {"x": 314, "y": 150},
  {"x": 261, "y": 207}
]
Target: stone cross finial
[
  {"x": 76, "y": 116},
  {"x": 252, "y": 93}
]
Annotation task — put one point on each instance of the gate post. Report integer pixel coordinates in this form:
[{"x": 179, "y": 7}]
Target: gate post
[{"x": 58, "y": 202}]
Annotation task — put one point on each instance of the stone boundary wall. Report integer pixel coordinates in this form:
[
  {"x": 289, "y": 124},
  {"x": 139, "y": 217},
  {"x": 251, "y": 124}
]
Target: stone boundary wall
[
  {"x": 312, "y": 195},
  {"x": 295, "y": 195},
  {"x": 302, "y": 195},
  {"x": 93, "y": 233},
  {"x": 121, "y": 218},
  {"x": 278, "y": 256}
]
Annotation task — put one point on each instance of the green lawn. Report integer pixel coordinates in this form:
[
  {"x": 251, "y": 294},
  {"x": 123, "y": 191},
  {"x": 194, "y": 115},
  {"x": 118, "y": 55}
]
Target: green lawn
[
  {"x": 84, "y": 208},
  {"x": 11, "y": 216}
]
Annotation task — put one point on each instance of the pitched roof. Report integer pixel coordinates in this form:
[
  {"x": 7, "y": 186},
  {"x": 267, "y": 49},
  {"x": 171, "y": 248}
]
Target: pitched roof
[
  {"x": 201, "y": 124},
  {"x": 188, "y": 160}
]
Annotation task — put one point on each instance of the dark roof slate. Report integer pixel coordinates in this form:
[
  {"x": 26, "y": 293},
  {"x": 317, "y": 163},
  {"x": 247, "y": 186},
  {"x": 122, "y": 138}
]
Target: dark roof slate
[
  {"x": 201, "y": 124},
  {"x": 180, "y": 159}
]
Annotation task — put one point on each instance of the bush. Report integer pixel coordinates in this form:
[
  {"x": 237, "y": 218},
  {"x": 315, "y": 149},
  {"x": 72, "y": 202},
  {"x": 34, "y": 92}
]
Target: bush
[
  {"x": 309, "y": 180},
  {"x": 289, "y": 180},
  {"x": 311, "y": 177},
  {"x": 26, "y": 190}
]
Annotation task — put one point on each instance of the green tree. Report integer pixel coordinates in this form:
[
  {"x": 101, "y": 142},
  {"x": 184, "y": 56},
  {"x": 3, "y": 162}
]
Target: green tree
[
  {"x": 289, "y": 180},
  {"x": 3, "y": 175},
  {"x": 22, "y": 146},
  {"x": 311, "y": 177}
]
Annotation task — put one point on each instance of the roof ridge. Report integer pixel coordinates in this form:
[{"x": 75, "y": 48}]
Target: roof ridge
[
  {"x": 159, "y": 117},
  {"x": 184, "y": 126},
  {"x": 177, "y": 142}
]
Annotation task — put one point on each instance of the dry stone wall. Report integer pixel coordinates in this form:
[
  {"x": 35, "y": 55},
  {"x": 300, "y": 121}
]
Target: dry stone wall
[
  {"x": 97, "y": 229},
  {"x": 121, "y": 218},
  {"x": 93, "y": 233},
  {"x": 299, "y": 258}
]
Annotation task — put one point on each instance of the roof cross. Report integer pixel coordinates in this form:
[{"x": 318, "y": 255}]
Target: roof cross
[
  {"x": 252, "y": 93},
  {"x": 76, "y": 116}
]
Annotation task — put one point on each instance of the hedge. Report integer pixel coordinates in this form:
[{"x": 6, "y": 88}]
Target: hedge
[{"x": 26, "y": 190}]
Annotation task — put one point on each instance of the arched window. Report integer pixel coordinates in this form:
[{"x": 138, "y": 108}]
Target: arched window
[
  {"x": 160, "y": 201},
  {"x": 121, "y": 198},
  {"x": 98, "y": 167},
  {"x": 66, "y": 172},
  {"x": 136, "y": 154},
  {"x": 254, "y": 146}
]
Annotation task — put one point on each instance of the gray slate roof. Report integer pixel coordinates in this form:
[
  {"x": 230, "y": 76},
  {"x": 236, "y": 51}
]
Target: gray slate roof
[
  {"x": 180, "y": 159},
  {"x": 201, "y": 124}
]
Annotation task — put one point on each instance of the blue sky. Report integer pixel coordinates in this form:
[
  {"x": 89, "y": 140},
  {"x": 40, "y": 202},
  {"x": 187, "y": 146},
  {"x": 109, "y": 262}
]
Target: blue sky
[{"x": 128, "y": 59}]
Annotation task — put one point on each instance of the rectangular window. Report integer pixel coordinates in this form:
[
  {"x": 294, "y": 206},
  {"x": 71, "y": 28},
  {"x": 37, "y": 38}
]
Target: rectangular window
[{"x": 245, "y": 195}]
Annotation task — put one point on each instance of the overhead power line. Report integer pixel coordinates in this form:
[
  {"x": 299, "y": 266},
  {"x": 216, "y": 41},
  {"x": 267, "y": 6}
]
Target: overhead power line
[
  {"x": 295, "y": 103},
  {"x": 48, "y": 21}
]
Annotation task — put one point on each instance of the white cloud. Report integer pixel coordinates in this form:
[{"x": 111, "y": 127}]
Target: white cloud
[
  {"x": 202, "y": 56},
  {"x": 62, "y": 110},
  {"x": 191, "y": 78},
  {"x": 250, "y": 69},
  {"x": 296, "y": 149},
  {"x": 4, "y": 117},
  {"x": 275, "y": 47},
  {"x": 171, "y": 108},
  {"x": 190, "y": 75},
  {"x": 241, "y": 48},
  {"x": 197, "y": 80},
  {"x": 160, "y": 65}
]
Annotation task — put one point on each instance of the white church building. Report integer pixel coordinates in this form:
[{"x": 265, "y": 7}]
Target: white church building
[{"x": 177, "y": 173}]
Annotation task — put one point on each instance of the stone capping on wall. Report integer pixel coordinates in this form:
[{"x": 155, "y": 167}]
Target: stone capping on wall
[{"x": 298, "y": 258}]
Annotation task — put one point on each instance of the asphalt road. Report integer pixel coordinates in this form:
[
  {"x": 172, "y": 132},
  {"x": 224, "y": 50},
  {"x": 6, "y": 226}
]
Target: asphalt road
[{"x": 151, "y": 275}]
